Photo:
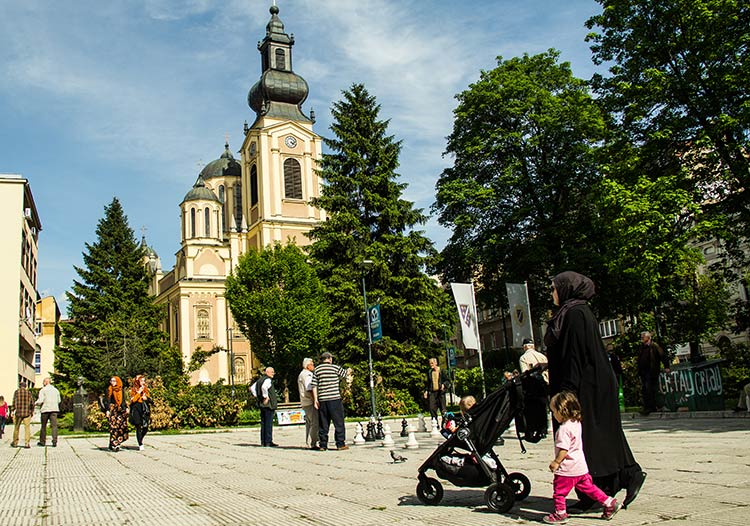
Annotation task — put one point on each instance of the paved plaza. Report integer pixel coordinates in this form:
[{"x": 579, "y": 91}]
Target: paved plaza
[{"x": 698, "y": 473}]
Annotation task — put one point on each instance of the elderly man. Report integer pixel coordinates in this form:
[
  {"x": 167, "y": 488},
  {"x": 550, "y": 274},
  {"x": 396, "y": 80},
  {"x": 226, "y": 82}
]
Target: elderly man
[
  {"x": 304, "y": 385},
  {"x": 23, "y": 408},
  {"x": 326, "y": 390},
  {"x": 436, "y": 384},
  {"x": 531, "y": 357},
  {"x": 650, "y": 360},
  {"x": 267, "y": 402},
  {"x": 49, "y": 403}
]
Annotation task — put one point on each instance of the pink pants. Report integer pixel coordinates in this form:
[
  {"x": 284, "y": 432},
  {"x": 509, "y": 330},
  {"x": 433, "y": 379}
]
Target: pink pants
[{"x": 562, "y": 486}]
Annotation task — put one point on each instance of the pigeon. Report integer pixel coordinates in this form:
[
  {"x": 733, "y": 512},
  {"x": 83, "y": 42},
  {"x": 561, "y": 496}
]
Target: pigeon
[{"x": 396, "y": 457}]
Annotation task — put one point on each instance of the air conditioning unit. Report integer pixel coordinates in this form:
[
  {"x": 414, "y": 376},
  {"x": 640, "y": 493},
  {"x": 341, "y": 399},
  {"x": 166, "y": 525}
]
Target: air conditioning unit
[{"x": 27, "y": 213}]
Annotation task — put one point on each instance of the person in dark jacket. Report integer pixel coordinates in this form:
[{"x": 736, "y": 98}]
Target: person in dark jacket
[
  {"x": 650, "y": 359},
  {"x": 579, "y": 363},
  {"x": 436, "y": 384},
  {"x": 140, "y": 410},
  {"x": 268, "y": 402}
]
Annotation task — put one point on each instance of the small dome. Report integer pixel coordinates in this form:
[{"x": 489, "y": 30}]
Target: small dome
[
  {"x": 147, "y": 250},
  {"x": 224, "y": 166},
  {"x": 199, "y": 192}
]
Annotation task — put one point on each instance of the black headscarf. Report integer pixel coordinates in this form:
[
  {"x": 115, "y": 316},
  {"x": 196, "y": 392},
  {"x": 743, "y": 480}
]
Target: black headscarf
[{"x": 572, "y": 289}]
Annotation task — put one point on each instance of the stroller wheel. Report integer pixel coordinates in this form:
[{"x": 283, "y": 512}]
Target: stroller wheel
[
  {"x": 520, "y": 484},
  {"x": 429, "y": 491},
  {"x": 499, "y": 498}
]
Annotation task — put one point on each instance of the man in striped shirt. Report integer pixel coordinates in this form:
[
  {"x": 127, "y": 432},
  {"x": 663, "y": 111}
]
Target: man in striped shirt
[{"x": 326, "y": 389}]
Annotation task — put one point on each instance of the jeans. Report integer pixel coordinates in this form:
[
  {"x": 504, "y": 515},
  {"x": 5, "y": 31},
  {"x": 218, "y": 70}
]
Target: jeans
[
  {"x": 332, "y": 410},
  {"x": 266, "y": 426},
  {"x": 52, "y": 418}
]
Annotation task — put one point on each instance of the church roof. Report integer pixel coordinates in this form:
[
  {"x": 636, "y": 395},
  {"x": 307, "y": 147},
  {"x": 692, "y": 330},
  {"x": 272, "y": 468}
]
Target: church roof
[
  {"x": 199, "y": 192},
  {"x": 225, "y": 165}
]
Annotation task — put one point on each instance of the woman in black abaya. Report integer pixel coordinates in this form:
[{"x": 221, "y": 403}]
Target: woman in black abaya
[{"x": 578, "y": 362}]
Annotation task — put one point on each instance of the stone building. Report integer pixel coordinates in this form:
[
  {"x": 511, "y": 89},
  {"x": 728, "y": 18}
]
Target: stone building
[
  {"x": 47, "y": 337},
  {"x": 238, "y": 205}
]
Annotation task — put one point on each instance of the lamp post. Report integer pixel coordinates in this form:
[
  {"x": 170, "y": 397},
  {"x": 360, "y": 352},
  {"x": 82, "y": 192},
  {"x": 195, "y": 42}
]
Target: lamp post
[
  {"x": 366, "y": 265},
  {"x": 231, "y": 359}
]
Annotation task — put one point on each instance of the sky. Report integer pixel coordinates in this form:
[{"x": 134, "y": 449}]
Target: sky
[{"x": 131, "y": 98}]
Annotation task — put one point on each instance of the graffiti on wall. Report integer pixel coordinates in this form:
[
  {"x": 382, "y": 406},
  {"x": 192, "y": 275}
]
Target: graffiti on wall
[{"x": 684, "y": 384}]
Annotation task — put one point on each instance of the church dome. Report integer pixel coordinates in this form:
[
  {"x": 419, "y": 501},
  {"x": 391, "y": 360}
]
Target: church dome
[
  {"x": 224, "y": 166},
  {"x": 199, "y": 192},
  {"x": 277, "y": 86}
]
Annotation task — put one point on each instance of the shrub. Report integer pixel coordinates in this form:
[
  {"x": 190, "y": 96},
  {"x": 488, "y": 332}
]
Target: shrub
[
  {"x": 396, "y": 402},
  {"x": 95, "y": 419}
]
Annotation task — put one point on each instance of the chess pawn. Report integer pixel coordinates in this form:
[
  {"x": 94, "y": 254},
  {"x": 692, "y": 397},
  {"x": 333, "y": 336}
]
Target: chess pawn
[
  {"x": 387, "y": 439},
  {"x": 435, "y": 431},
  {"x": 370, "y": 437},
  {"x": 411, "y": 443},
  {"x": 404, "y": 428},
  {"x": 379, "y": 435},
  {"x": 422, "y": 427},
  {"x": 359, "y": 439}
]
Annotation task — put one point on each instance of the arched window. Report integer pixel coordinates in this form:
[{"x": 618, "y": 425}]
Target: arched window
[
  {"x": 192, "y": 222},
  {"x": 239, "y": 371},
  {"x": 253, "y": 186},
  {"x": 221, "y": 193},
  {"x": 203, "y": 324},
  {"x": 292, "y": 179},
  {"x": 207, "y": 221},
  {"x": 280, "y": 59},
  {"x": 238, "y": 204}
]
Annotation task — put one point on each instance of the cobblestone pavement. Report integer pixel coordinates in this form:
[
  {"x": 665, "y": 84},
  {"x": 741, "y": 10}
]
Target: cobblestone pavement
[{"x": 698, "y": 473}]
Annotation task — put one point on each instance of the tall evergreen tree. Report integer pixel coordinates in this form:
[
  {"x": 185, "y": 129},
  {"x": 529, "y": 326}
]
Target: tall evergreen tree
[
  {"x": 113, "y": 326},
  {"x": 369, "y": 219}
]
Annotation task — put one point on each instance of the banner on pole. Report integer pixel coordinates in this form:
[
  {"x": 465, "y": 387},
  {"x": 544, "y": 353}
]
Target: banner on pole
[
  {"x": 463, "y": 293},
  {"x": 520, "y": 313},
  {"x": 376, "y": 329}
]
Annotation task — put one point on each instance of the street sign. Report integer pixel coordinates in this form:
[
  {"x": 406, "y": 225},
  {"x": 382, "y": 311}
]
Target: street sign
[
  {"x": 452, "y": 356},
  {"x": 376, "y": 329}
]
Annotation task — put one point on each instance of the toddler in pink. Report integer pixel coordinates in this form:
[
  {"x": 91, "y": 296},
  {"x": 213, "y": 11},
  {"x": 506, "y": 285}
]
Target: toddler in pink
[{"x": 569, "y": 464}]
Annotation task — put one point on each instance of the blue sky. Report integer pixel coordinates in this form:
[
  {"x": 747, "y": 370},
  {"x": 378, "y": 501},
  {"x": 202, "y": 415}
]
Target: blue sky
[{"x": 132, "y": 98}]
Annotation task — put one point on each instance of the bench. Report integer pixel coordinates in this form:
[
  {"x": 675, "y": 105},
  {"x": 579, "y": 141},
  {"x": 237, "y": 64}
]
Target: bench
[{"x": 289, "y": 413}]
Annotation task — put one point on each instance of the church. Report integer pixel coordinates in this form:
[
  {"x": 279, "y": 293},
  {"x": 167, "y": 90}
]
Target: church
[{"x": 238, "y": 205}]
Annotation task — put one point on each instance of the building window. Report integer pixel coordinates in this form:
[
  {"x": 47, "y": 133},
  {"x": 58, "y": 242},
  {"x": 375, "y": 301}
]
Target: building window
[
  {"x": 207, "y": 221},
  {"x": 38, "y": 362},
  {"x": 280, "y": 59},
  {"x": 292, "y": 179},
  {"x": 608, "y": 328},
  {"x": 239, "y": 371},
  {"x": 192, "y": 222},
  {"x": 238, "y": 205},
  {"x": 203, "y": 324},
  {"x": 253, "y": 186},
  {"x": 221, "y": 193}
]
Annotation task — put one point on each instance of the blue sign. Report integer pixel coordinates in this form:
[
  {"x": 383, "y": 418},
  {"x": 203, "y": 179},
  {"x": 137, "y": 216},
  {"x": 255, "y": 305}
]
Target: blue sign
[
  {"x": 452, "y": 356},
  {"x": 376, "y": 329}
]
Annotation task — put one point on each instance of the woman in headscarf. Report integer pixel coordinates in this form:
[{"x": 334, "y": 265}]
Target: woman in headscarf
[
  {"x": 578, "y": 363},
  {"x": 117, "y": 414},
  {"x": 140, "y": 413}
]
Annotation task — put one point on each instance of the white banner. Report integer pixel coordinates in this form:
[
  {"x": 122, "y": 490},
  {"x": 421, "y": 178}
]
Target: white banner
[
  {"x": 463, "y": 293},
  {"x": 520, "y": 312}
]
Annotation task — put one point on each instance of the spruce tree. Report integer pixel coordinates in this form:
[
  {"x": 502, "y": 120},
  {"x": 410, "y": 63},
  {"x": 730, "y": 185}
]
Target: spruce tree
[
  {"x": 113, "y": 326},
  {"x": 367, "y": 218}
]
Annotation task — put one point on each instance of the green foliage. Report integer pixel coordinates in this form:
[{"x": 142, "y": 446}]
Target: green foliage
[
  {"x": 735, "y": 372},
  {"x": 95, "y": 419},
  {"x": 367, "y": 218},
  {"x": 206, "y": 406},
  {"x": 468, "y": 382},
  {"x": 280, "y": 305},
  {"x": 113, "y": 326}
]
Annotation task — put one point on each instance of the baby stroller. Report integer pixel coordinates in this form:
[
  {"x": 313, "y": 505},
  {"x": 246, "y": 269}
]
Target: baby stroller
[{"x": 524, "y": 399}]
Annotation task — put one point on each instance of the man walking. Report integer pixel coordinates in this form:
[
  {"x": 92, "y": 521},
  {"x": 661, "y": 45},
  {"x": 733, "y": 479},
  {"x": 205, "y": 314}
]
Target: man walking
[
  {"x": 49, "y": 402},
  {"x": 436, "y": 385},
  {"x": 23, "y": 408},
  {"x": 326, "y": 391},
  {"x": 304, "y": 385},
  {"x": 650, "y": 360},
  {"x": 267, "y": 401},
  {"x": 531, "y": 357}
]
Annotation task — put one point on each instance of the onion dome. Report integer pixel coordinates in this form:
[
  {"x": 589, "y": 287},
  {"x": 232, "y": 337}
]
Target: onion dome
[
  {"x": 199, "y": 192},
  {"x": 225, "y": 165},
  {"x": 147, "y": 250}
]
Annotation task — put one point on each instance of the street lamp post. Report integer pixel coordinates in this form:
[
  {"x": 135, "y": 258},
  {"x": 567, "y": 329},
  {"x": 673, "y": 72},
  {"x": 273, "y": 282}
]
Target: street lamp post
[
  {"x": 231, "y": 360},
  {"x": 366, "y": 264}
]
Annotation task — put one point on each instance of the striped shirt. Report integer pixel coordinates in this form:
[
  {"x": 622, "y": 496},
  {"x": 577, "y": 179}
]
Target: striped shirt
[{"x": 327, "y": 378}]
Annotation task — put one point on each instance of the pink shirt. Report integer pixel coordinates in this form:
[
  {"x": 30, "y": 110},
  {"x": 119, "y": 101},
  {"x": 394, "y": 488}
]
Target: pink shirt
[
  {"x": 568, "y": 437},
  {"x": 4, "y": 410}
]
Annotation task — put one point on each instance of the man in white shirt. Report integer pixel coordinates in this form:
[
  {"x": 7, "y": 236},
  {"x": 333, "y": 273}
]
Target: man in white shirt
[
  {"x": 532, "y": 357},
  {"x": 304, "y": 385},
  {"x": 49, "y": 401}
]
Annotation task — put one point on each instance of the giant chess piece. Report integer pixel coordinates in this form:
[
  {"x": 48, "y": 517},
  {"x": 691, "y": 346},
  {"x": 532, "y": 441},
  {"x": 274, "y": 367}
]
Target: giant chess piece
[
  {"x": 411, "y": 443},
  {"x": 435, "y": 431},
  {"x": 421, "y": 426},
  {"x": 379, "y": 435},
  {"x": 370, "y": 436},
  {"x": 359, "y": 439},
  {"x": 387, "y": 439},
  {"x": 404, "y": 428}
]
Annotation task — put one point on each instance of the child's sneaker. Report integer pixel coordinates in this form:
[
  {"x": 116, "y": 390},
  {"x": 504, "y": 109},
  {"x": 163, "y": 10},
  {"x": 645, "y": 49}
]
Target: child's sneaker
[
  {"x": 611, "y": 510},
  {"x": 556, "y": 518}
]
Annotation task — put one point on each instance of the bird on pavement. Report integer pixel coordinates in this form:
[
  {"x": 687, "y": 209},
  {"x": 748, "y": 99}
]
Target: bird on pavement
[{"x": 396, "y": 457}]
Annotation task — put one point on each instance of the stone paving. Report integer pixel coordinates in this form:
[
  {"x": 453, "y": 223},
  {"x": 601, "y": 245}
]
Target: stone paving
[{"x": 698, "y": 473}]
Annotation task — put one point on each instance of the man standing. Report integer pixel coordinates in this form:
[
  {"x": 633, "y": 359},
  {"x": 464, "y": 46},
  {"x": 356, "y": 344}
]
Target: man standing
[
  {"x": 23, "y": 408},
  {"x": 267, "y": 401},
  {"x": 531, "y": 357},
  {"x": 650, "y": 360},
  {"x": 326, "y": 391},
  {"x": 304, "y": 385},
  {"x": 49, "y": 402},
  {"x": 435, "y": 387}
]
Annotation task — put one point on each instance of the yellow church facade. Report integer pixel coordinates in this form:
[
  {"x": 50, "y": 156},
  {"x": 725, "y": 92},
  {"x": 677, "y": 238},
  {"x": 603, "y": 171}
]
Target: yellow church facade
[{"x": 238, "y": 205}]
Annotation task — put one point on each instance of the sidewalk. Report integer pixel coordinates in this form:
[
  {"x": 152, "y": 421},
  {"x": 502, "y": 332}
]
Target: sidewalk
[{"x": 698, "y": 471}]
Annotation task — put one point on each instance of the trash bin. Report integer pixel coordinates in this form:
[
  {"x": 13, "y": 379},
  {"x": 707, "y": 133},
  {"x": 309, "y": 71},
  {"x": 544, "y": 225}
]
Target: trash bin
[{"x": 692, "y": 387}]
